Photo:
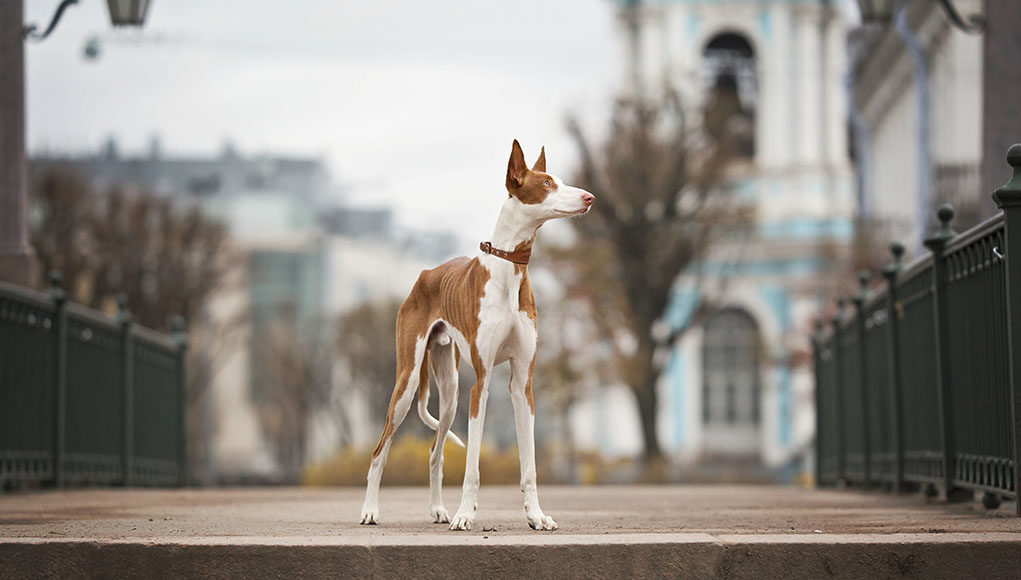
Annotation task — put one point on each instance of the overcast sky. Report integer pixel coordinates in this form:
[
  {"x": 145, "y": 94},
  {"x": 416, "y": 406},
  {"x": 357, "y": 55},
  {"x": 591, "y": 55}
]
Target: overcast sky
[{"x": 411, "y": 103}]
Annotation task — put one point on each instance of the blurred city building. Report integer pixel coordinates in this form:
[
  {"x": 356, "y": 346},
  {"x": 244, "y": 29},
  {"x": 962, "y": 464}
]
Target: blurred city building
[
  {"x": 736, "y": 389},
  {"x": 269, "y": 203},
  {"x": 917, "y": 114},
  {"x": 305, "y": 259}
]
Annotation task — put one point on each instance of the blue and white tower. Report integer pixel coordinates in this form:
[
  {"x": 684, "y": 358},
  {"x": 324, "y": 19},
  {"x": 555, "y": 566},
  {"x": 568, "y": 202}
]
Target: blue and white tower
[{"x": 739, "y": 384}]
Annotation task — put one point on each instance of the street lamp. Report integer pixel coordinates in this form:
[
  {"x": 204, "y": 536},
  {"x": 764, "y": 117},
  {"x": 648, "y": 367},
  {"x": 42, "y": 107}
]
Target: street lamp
[
  {"x": 122, "y": 13},
  {"x": 881, "y": 12},
  {"x": 128, "y": 12},
  {"x": 17, "y": 259}
]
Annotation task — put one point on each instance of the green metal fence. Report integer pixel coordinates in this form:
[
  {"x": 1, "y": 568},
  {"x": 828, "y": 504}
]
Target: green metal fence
[
  {"x": 921, "y": 384},
  {"x": 86, "y": 399}
]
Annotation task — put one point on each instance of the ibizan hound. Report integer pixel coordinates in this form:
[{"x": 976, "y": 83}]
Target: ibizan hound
[{"x": 482, "y": 306}]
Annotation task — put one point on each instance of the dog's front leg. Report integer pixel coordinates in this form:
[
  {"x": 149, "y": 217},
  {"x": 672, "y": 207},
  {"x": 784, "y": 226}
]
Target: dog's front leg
[
  {"x": 524, "y": 424},
  {"x": 465, "y": 516}
]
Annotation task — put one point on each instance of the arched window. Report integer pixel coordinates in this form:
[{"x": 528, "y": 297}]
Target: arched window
[
  {"x": 730, "y": 85},
  {"x": 730, "y": 382}
]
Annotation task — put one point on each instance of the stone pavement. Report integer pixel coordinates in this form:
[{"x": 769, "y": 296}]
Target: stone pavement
[{"x": 605, "y": 531}]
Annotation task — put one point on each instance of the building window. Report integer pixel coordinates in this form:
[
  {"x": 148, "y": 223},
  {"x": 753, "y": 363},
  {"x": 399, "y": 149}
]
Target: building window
[
  {"x": 730, "y": 356},
  {"x": 730, "y": 85}
]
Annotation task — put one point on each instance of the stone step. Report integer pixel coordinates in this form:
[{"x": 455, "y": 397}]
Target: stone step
[
  {"x": 692, "y": 531},
  {"x": 994, "y": 555}
]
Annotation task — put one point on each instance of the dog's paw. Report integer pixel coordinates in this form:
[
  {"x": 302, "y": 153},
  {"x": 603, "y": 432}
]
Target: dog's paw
[
  {"x": 370, "y": 515},
  {"x": 439, "y": 514},
  {"x": 462, "y": 521},
  {"x": 541, "y": 522}
]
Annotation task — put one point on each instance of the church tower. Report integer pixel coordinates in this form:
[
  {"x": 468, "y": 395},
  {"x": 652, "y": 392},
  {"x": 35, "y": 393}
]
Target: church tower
[{"x": 738, "y": 385}]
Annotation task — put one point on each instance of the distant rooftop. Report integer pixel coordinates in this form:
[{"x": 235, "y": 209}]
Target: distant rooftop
[{"x": 202, "y": 177}]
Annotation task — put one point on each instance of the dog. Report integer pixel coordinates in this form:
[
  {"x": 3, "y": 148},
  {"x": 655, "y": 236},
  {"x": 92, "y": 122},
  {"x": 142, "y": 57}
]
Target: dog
[{"x": 482, "y": 307}]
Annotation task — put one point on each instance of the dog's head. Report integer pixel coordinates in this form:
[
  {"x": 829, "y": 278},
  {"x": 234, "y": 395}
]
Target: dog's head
[{"x": 541, "y": 194}]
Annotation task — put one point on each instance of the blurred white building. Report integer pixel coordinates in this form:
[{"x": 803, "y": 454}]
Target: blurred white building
[
  {"x": 917, "y": 107},
  {"x": 300, "y": 254},
  {"x": 738, "y": 388}
]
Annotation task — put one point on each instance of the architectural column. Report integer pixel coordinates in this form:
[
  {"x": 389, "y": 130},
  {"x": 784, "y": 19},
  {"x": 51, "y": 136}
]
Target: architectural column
[
  {"x": 17, "y": 260},
  {"x": 833, "y": 69},
  {"x": 776, "y": 107},
  {"x": 651, "y": 55},
  {"x": 809, "y": 85}
]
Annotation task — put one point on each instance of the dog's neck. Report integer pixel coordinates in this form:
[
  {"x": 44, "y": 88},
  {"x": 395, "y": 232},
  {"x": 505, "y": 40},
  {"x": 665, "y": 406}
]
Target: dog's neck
[{"x": 514, "y": 230}]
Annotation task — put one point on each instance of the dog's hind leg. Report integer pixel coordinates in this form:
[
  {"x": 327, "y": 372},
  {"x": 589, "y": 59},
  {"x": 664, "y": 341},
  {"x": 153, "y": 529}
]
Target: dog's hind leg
[
  {"x": 465, "y": 516},
  {"x": 444, "y": 364},
  {"x": 410, "y": 354}
]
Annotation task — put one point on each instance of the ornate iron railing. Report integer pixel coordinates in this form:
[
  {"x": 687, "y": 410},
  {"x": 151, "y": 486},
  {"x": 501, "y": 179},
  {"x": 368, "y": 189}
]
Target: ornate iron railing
[
  {"x": 921, "y": 384},
  {"x": 86, "y": 399}
]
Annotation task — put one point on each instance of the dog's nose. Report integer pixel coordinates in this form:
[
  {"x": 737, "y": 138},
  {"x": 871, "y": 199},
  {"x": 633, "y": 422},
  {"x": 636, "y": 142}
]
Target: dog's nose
[{"x": 587, "y": 198}]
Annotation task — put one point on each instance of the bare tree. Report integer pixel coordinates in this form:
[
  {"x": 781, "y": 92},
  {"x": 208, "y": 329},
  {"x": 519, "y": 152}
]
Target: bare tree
[
  {"x": 661, "y": 203},
  {"x": 165, "y": 260},
  {"x": 294, "y": 382},
  {"x": 564, "y": 364},
  {"x": 365, "y": 344}
]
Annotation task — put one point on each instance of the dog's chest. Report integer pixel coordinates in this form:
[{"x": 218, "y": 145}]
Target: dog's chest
[{"x": 500, "y": 305}]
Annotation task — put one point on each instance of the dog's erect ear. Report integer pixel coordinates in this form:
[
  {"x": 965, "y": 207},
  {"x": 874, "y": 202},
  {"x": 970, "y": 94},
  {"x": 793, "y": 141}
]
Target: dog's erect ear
[
  {"x": 540, "y": 163},
  {"x": 516, "y": 167}
]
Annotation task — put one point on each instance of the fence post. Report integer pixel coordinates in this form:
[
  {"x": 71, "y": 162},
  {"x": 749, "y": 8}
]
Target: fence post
[
  {"x": 1008, "y": 198},
  {"x": 816, "y": 368},
  {"x": 127, "y": 390},
  {"x": 890, "y": 272},
  {"x": 180, "y": 333},
  {"x": 838, "y": 388},
  {"x": 59, "y": 298},
  {"x": 859, "y": 311},
  {"x": 937, "y": 243}
]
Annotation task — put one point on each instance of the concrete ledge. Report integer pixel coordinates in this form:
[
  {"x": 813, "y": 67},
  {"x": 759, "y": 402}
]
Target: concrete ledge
[
  {"x": 605, "y": 532},
  {"x": 576, "y": 556}
]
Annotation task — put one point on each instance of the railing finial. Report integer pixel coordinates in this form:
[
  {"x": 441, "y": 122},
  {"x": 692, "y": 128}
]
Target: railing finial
[
  {"x": 1009, "y": 194},
  {"x": 863, "y": 279},
  {"x": 179, "y": 327},
  {"x": 945, "y": 233},
  {"x": 945, "y": 213},
  {"x": 891, "y": 269},
  {"x": 56, "y": 279},
  {"x": 863, "y": 287},
  {"x": 897, "y": 249},
  {"x": 123, "y": 314},
  {"x": 838, "y": 315}
]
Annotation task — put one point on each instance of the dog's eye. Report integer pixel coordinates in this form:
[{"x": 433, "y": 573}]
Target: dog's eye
[{"x": 546, "y": 183}]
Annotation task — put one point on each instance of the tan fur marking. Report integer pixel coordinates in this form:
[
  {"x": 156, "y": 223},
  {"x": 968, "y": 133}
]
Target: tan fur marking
[
  {"x": 451, "y": 291},
  {"x": 528, "y": 185},
  {"x": 476, "y": 393},
  {"x": 533, "y": 188},
  {"x": 406, "y": 339},
  {"x": 526, "y": 304},
  {"x": 528, "y": 386},
  {"x": 423, "y": 377},
  {"x": 526, "y": 300}
]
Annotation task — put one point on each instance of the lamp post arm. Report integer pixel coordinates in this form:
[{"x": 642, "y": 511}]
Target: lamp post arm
[
  {"x": 974, "y": 25},
  {"x": 30, "y": 30}
]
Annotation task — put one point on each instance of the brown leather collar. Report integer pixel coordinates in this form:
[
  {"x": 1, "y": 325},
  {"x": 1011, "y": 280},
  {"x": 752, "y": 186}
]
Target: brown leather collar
[{"x": 518, "y": 256}]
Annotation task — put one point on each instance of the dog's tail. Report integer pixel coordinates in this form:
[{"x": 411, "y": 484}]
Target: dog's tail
[{"x": 423, "y": 401}]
